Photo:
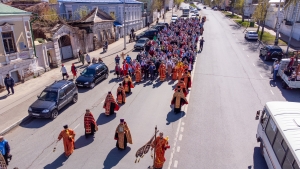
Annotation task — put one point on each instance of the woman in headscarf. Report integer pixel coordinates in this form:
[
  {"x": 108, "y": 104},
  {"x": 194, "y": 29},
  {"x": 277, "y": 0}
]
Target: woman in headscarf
[{"x": 74, "y": 71}]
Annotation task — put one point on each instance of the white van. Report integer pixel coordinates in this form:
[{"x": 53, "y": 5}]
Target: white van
[{"x": 279, "y": 134}]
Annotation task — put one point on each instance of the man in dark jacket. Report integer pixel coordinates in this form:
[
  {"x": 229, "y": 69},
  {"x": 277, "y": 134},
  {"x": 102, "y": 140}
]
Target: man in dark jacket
[
  {"x": 9, "y": 83},
  {"x": 152, "y": 69},
  {"x": 5, "y": 149}
]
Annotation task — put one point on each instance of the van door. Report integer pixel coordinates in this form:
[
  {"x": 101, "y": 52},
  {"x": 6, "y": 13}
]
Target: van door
[
  {"x": 98, "y": 75},
  {"x": 62, "y": 99},
  {"x": 69, "y": 94},
  {"x": 102, "y": 72}
]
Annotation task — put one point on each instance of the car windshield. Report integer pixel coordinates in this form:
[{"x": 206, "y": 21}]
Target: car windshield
[
  {"x": 48, "y": 96},
  {"x": 141, "y": 41},
  {"x": 88, "y": 72},
  {"x": 252, "y": 32}
]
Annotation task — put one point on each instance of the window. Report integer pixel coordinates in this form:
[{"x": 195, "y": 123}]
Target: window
[
  {"x": 265, "y": 117},
  {"x": 61, "y": 93},
  {"x": 8, "y": 42},
  {"x": 70, "y": 14},
  {"x": 271, "y": 130},
  {"x": 278, "y": 148},
  {"x": 295, "y": 165},
  {"x": 68, "y": 89},
  {"x": 288, "y": 162}
]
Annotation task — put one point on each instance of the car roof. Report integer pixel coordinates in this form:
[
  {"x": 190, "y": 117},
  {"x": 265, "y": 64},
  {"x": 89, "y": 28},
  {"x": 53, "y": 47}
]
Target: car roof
[
  {"x": 150, "y": 30},
  {"x": 143, "y": 39},
  {"x": 95, "y": 65},
  {"x": 273, "y": 47},
  {"x": 57, "y": 85}
]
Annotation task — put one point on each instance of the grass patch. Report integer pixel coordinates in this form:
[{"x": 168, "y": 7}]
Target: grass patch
[
  {"x": 269, "y": 39},
  {"x": 246, "y": 23},
  {"x": 229, "y": 15},
  {"x": 193, "y": 5}
]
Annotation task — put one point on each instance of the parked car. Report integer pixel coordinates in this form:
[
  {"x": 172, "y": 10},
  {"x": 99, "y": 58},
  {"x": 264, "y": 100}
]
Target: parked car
[
  {"x": 215, "y": 8},
  {"x": 204, "y": 7},
  {"x": 91, "y": 75},
  {"x": 158, "y": 27},
  {"x": 271, "y": 52},
  {"x": 140, "y": 44},
  {"x": 193, "y": 16},
  {"x": 198, "y": 8},
  {"x": 251, "y": 35},
  {"x": 53, "y": 98},
  {"x": 173, "y": 19},
  {"x": 163, "y": 23},
  {"x": 147, "y": 34}
]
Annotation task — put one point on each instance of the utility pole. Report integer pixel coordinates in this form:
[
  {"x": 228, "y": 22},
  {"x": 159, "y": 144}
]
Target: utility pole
[
  {"x": 124, "y": 20},
  {"x": 277, "y": 25},
  {"x": 295, "y": 15}
]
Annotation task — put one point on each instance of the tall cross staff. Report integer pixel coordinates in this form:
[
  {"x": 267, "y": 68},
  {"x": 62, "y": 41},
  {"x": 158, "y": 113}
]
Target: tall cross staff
[{"x": 154, "y": 145}]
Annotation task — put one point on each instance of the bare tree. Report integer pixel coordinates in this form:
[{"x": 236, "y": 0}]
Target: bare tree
[
  {"x": 82, "y": 12},
  {"x": 260, "y": 14}
]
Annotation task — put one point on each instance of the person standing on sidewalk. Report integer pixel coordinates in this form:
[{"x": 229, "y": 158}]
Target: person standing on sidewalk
[
  {"x": 276, "y": 67},
  {"x": 117, "y": 59},
  {"x": 88, "y": 59},
  {"x": 74, "y": 71},
  {"x": 81, "y": 56},
  {"x": 64, "y": 72},
  {"x": 201, "y": 44},
  {"x": 9, "y": 83},
  {"x": 5, "y": 149}
]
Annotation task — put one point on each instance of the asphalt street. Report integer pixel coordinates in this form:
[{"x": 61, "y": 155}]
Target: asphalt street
[{"x": 217, "y": 130}]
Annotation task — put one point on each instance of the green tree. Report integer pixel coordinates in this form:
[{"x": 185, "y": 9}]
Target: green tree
[
  {"x": 49, "y": 14},
  {"x": 82, "y": 12},
  {"x": 157, "y": 5},
  {"x": 178, "y": 2},
  {"x": 53, "y": 1},
  {"x": 260, "y": 15},
  {"x": 239, "y": 6}
]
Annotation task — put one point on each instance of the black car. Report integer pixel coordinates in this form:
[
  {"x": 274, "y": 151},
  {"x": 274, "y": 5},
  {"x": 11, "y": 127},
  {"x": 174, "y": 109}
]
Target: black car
[
  {"x": 141, "y": 43},
  {"x": 91, "y": 75},
  {"x": 158, "y": 27},
  {"x": 204, "y": 7},
  {"x": 147, "y": 34},
  {"x": 53, "y": 98},
  {"x": 271, "y": 52},
  {"x": 163, "y": 23}
]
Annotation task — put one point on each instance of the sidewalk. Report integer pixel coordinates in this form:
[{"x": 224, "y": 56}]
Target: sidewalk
[
  {"x": 25, "y": 93},
  {"x": 294, "y": 44}
]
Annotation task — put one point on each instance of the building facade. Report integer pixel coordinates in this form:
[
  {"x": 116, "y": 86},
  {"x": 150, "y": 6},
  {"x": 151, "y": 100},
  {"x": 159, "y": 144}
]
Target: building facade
[
  {"x": 16, "y": 45},
  {"x": 115, "y": 8},
  {"x": 288, "y": 17}
]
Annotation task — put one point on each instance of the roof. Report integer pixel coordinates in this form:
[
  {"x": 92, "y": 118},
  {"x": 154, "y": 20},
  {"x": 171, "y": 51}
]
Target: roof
[
  {"x": 6, "y": 10},
  {"x": 95, "y": 65},
  {"x": 286, "y": 115},
  {"x": 57, "y": 85},
  {"x": 97, "y": 15},
  {"x": 103, "y": 1},
  {"x": 273, "y": 47}
]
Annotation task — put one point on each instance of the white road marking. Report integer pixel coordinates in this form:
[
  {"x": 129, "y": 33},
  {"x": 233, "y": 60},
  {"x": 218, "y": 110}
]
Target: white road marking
[
  {"x": 272, "y": 92},
  {"x": 179, "y": 124},
  {"x": 248, "y": 55},
  {"x": 180, "y": 137},
  {"x": 76, "y": 126},
  {"x": 182, "y": 123},
  {"x": 175, "y": 163},
  {"x": 181, "y": 129},
  {"x": 178, "y": 149},
  {"x": 103, "y": 101},
  {"x": 253, "y": 64},
  {"x": 261, "y": 76}
]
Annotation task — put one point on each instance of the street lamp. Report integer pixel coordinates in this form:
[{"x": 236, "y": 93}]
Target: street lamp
[
  {"x": 124, "y": 20},
  {"x": 277, "y": 25}
]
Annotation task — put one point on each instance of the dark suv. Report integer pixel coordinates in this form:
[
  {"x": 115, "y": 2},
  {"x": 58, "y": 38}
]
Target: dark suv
[
  {"x": 54, "y": 98},
  {"x": 147, "y": 34},
  {"x": 158, "y": 27},
  {"x": 271, "y": 52},
  {"x": 91, "y": 75}
]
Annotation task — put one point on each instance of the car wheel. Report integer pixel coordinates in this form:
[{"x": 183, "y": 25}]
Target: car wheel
[
  {"x": 92, "y": 85},
  {"x": 260, "y": 54},
  {"x": 54, "y": 114},
  {"x": 75, "y": 98}
]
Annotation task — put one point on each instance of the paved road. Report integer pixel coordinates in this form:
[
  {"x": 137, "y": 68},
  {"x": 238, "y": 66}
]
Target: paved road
[
  {"x": 218, "y": 130},
  {"x": 230, "y": 84}
]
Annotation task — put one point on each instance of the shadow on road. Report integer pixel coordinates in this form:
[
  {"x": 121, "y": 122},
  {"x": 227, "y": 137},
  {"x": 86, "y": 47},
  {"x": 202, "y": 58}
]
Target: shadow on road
[
  {"x": 156, "y": 85},
  {"x": 83, "y": 89},
  {"x": 35, "y": 123},
  {"x": 57, "y": 163},
  {"x": 172, "y": 116},
  {"x": 82, "y": 141},
  {"x": 258, "y": 160},
  {"x": 103, "y": 119},
  {"x": 115, "y": 80},
  {"x": 114, "y": 157}
]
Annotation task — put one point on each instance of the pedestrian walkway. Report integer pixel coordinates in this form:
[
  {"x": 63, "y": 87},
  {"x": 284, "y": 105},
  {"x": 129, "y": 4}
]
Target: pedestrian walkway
[{"x": 27, "y": 91}]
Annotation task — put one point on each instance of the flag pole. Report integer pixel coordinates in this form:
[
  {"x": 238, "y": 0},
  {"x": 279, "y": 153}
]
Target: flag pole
[{"x": 154, "y": 146}]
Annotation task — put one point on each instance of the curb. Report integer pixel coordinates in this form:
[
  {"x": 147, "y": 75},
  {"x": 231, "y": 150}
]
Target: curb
[{"x": 8, "y": 129}]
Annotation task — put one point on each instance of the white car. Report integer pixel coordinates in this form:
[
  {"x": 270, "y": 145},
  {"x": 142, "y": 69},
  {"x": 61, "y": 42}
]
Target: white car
[
  {"x": 193, "y": 16},
  {"x": 174, "y": 19},
  {"x": 174, "y": 15},
  {"x": 251, "y": 35}
]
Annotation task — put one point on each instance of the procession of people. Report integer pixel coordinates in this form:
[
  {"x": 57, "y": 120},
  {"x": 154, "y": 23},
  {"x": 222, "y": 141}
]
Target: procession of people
[{"x": 170, "y": 56}]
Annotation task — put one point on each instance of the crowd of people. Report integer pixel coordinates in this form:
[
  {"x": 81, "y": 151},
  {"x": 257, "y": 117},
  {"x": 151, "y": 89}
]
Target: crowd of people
[{"x": 169, "y": 56}]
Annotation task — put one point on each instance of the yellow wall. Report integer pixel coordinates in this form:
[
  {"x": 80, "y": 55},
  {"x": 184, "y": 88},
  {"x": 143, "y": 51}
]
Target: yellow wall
[{"x": 19, "y": 36}]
